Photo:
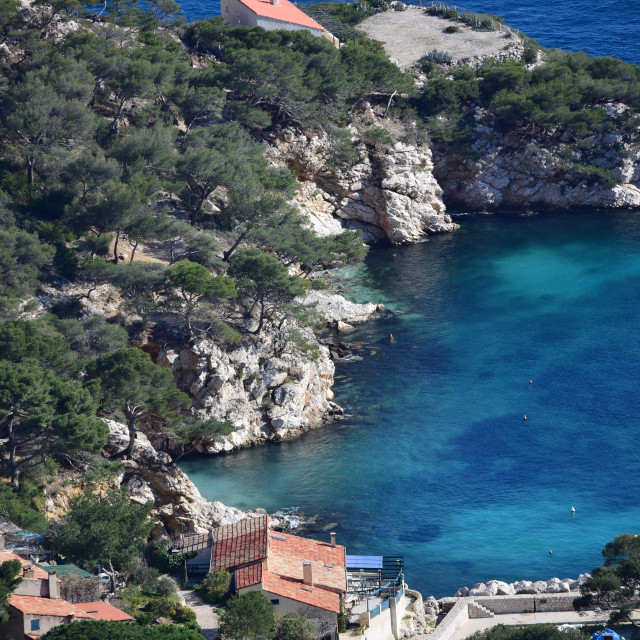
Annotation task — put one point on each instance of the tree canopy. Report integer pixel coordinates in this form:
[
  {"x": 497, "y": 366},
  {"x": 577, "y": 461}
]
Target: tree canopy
[
  {"x": 615, "y": 585},
  {"x": 248, "y": 617},
  {"x": 109, "y": 530},
  {"x": 106, "y": 630},
  {"x": 134, "y": 387}
]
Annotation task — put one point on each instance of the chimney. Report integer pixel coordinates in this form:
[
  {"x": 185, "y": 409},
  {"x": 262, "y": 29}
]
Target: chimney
[
  {"x": 53, "y": 586},
  {"x": 307, "y": 575},
  {"x": 274, "y": 2},
  {"x": 29, "y": 572},
  {"x": 333, "y": 538},
  {"x": 1, "y": 541}
]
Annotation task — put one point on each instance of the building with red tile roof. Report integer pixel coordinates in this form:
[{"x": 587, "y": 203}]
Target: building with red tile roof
[
  {"x": 100, "y": 610},
  {"x": 295, "y": 573},
  {"x": 268, "y": 14},
  {"x": 35, "y": 606}
]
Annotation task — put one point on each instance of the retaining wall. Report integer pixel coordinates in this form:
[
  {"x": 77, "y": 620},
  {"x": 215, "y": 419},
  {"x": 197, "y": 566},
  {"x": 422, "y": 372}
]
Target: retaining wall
[{"x": 459, "y": 614}]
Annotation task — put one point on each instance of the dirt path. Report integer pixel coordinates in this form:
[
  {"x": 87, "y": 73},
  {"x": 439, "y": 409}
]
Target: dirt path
[
  {"x": 205, "y": 615},
  {"x": 408, "y": 35}
]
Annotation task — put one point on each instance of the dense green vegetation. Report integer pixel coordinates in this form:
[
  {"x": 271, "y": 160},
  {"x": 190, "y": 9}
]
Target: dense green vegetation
[
  {"x": 102, "y": 630},
  {"x": 10, "y": 571},
  {"x": 125, "y": 164},
  {"x": 615, "y": 585},
  {"x": 564, "y": 95}
]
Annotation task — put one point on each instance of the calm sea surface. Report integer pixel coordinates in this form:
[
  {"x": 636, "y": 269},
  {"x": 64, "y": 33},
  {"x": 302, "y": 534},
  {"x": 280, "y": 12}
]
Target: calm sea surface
[{"x": 434, "y": 461}]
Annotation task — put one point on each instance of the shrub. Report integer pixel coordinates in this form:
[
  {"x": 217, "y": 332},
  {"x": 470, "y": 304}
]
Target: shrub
[
  {"x": 530, "y": 54},
  {"x": 165, "y": 587},
  {"x": 215, "y": 586},
  {"x": 319, "y": 285},
  {"x": 452, "y": 29},
  {"x": 441, "y": 57},
  {"x": 184, "y": 615},
  {"x": 159, "y": 555},
  {"x": 451, "y": 14},
  {"x": 377, "y": 137}
]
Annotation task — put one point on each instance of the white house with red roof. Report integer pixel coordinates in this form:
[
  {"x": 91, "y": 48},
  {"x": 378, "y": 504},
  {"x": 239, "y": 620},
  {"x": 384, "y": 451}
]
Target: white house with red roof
[
  {"x": 35, "y": 606},
  {"x": 268, "y": 14}
]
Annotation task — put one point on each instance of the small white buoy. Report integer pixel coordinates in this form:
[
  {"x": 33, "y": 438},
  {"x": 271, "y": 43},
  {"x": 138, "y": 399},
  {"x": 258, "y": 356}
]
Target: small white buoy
[{"x": 573, "y": 510}]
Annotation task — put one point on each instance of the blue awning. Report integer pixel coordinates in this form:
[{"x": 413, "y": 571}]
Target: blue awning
[{"x": 364, "y": 562}]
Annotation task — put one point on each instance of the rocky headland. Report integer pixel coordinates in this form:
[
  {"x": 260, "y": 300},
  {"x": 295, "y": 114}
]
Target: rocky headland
[
  {"x": 525, "y": 170},
  {"x": 390, "y": 193}
]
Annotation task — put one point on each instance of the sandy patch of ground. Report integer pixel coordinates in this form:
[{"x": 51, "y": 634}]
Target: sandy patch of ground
[{"x": 408, "y": 35}]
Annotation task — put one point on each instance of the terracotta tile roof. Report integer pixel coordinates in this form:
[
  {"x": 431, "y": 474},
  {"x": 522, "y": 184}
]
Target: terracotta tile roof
[
  {"x": 297, "y": 590},
  {"x": 328, "y": 564},
  {"x": 38, "y": 573},
  {"x": 249, "y": 575},
  {"x": 285, "y": 11},
  {"x": 45, "y": 606},
  {"x": 100, "y": 610},
  {"x": 242, "y": 547},
  {"x": 240, "y": 543}
]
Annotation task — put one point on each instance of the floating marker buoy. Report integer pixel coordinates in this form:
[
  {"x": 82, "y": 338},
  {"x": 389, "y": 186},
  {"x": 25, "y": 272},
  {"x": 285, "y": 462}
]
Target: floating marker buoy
[
  {"x": 550, "y": 552},
  {"x": 530, "y": 381},
  {"x": 524, "y": 418},
  {"x": 573, "y": 510}
]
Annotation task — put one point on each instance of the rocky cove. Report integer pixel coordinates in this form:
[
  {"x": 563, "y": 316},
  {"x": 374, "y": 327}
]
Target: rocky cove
[{"x": 396, "y": 192}]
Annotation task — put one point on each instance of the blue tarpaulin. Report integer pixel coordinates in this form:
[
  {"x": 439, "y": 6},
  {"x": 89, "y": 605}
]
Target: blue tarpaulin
[
  {"x": 605, "y": 634},
  {"x": 365, "y": 562}
]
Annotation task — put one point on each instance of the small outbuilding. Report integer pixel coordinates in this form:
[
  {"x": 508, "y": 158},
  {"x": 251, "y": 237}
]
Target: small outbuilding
[{"x": 269, "y": 14}]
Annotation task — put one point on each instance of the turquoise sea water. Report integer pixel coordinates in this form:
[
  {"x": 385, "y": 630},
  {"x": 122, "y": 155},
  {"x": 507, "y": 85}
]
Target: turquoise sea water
[{"x": 435, "y": 461}]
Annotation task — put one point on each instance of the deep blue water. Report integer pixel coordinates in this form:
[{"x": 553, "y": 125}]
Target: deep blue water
[
  {"x": 436, "y": 462},
  {"x": 599, "y": 27}
]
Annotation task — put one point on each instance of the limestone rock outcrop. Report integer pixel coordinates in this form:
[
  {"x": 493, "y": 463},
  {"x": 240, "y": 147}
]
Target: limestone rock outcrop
[
  {"x": 267, "y": 388},
  {"x": 527, "y": 170},
  {"x": 335, "y": 308},
  {"x": 151, "y": 476},
  {"x": 388, "y": 193}
]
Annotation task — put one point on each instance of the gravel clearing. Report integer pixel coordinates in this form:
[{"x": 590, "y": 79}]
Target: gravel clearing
[{"x": 408, "y": 35}]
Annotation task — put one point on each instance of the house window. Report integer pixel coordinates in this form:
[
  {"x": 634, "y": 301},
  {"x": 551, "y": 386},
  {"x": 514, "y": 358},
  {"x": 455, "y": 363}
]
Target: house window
[
  {"x": 226, "y": 8},
  {"x": 276, "y": 601},
  {"x": 35, "y": 625}
]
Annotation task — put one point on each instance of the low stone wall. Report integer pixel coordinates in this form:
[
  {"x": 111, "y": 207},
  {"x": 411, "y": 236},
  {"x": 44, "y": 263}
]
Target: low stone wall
[
  {"x": 460, "y": 613},
  {"x": 527, "y": 603},
  {"x": 453, "y": 621}
]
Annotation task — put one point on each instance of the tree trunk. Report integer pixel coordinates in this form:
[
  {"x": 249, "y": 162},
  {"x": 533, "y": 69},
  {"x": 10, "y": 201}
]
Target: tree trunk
[
  {"x": 115, "y": 246},
  {"x": 15, "y": 470},
  {"x": 112, "y": 577},
  {"x": 227, "y": 254},
  {"x": 133, "y": 253},
  {"x": 114, "y": 124},
  {"x": 261, "y": 321},
  {"x": 30, "y": 163},
  {"x": 131, "y": 425}
]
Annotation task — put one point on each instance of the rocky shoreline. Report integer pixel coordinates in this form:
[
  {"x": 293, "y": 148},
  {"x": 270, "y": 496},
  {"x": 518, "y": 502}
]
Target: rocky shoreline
[{"x": 500, "y": 588}]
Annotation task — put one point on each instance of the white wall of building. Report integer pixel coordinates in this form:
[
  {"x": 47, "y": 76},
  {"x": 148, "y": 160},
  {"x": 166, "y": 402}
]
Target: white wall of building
[{"x": 236, "y": 13}]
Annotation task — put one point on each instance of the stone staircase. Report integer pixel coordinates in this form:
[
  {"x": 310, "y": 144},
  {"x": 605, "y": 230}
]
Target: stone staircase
[{"x": 477, "y": 610}]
